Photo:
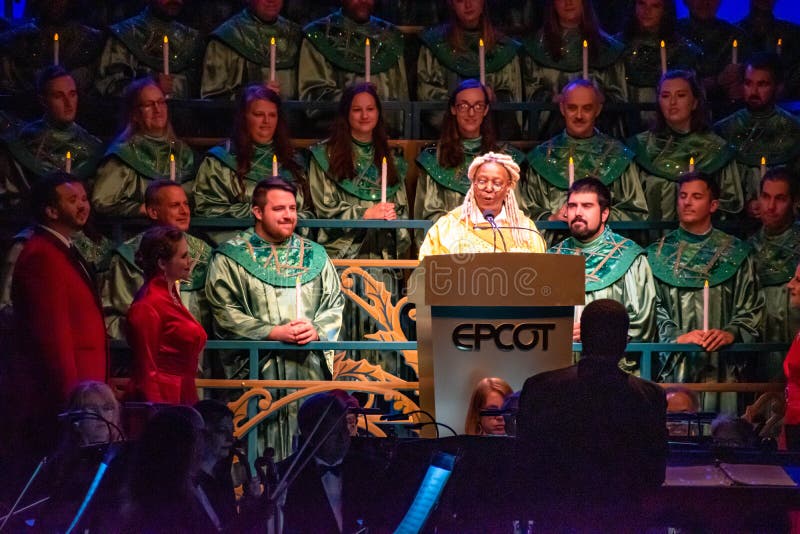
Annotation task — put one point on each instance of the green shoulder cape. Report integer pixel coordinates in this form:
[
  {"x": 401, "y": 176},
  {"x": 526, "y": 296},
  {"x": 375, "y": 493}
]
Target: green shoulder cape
[
  {"x": 667, "y": 154},
  {"x": 367, "y": 183},
  {"x": 259, "y": 170},
  {"x": 465, "y": 62},
  {"x": 610, "y": 51},
  {"x": 150, "y": 157},
  {"x": 776, "y": 257},
  {"x": 250, "y": 38},
  {"x": 775, "y": 136}
]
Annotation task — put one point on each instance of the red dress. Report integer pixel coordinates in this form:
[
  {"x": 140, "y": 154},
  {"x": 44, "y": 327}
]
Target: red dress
[
  {"x": 791, "y": 368},
  {"x": 166, "y": 340}
]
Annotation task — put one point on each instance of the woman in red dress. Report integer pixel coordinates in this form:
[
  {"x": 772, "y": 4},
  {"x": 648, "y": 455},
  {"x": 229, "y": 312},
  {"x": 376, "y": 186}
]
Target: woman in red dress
[
  {"x": 791, "y": 368},
  {"x": 166, "y": 339}
]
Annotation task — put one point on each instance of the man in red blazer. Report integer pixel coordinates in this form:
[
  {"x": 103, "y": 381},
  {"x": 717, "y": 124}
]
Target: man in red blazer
[{"x": 58, "y": 318}]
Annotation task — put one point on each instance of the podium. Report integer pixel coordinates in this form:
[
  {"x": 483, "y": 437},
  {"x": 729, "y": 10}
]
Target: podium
[{"x": 507, "y": 315}]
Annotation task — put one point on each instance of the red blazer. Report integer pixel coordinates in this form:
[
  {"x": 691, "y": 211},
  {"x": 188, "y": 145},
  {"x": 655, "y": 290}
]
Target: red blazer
[
  {"x": 59, "y": 319},
  {"x": 166, "y": 341}
]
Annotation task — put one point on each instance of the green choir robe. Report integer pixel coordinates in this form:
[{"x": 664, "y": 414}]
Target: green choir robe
[
  {"x": 217, "y": 191},
  {"x": 776, "y": 257},
  {"x": 124, "y": 279},
  {"x": 41, "y": 147},
  {"x": 773, "y": 134},
  {"x": 440, "y": 67},
  {"x": 332, "y": 58},
  {"x": 129, "y": 167},
  {"x": 238, "y": 54},
  {"x": 664, "y": 156},
  {"x": 350, "y": 198},
  {"x": 681, "y": 263},
  {"x": 763, "y": 31},
  {"x": 617, "y": 269},
  {"x": 251, "y": 289},
  {"x": 135, "y": 49},
  {"x": 544, "y": 191},
  {"x": 28, "y": 48}
]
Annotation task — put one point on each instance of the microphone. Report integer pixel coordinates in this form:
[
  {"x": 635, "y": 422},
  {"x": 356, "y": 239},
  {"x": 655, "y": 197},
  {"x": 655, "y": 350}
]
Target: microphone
[{"x": 489, "y": 216}]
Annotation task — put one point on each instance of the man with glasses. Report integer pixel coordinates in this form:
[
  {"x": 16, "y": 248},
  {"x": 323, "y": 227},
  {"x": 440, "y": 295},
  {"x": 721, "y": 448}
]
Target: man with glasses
[{"x": 544, "y": 192}]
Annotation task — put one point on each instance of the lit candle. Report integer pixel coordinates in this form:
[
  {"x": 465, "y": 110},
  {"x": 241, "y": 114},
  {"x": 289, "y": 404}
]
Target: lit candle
[
  {"x": 272, "y": 53},
  {"x": 735, "y": 53},
  {"x": 172, "y": 167},
  {"x": 55, "y": 49},
  {"x": 367, "y": 60},
  {"x": 571, "y": 170},
  {"x": 383, "y": 180},
  {"x": 705, "y": 306},
  {"x": 763, "y": 166},
  {"x": 663, "y": 57},
  {"x": 779, "y": 46},
  {"x": 585, "y": 60},
  {"x": 298, "y": 298},
  {"x": 274, "y": 165},
  {"x": 165, "y": 53},
  {"x": 68, "y": 163},
  {"x": 482, "y": 61},
  {"x": 691, "y": 164}
]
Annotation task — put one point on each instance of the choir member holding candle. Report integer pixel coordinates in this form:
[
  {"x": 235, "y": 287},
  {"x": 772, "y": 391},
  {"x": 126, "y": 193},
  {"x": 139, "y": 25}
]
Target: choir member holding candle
[
  {"x": 762, "y": 129},
  {"x": 41, "y": 146},
  {"x": 28, "y": 48},
  {"x": 140, "y": 154},
  {"x": 651, "y": 23},
  {"x": 543, "y": 192},
  {"x": 451, "y": 53},
  {"x": 136, "y": 47},
  {"x": 165, "y": 337},
  {"x": 229, "y": 173},
  {"x": 681, "y": 133},
  {"x": 554, "y": 56},
  {"x": 467, "y": 130},
  {"x": 681, "y": 262},
  {"x": 240, "y": 52},
  {"x": 332, "y": 57},
  {"x": 346, "y": 182},
  {"x": 252, "y": 288}
]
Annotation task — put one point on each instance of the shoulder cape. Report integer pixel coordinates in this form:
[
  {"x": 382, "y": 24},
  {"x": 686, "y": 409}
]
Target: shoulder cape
[
  {"x": 368, "y": 187},
  {"x": 143, "y": 36},
  {"x": 250, "y": 38},
  {"x": 667, "y": 155},
  {"x": 606, "y": 262},
  {"x": 465, "y": 62},
  {"x": 142, "y": 157},
  {"x": 610, "y": 52}
]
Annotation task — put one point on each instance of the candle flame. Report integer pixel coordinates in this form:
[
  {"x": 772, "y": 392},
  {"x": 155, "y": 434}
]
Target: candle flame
[
  {"x": 272, "y": 41},
  {"x": 69, "y": 155},
  {"x": 166, "y": 39},
  {"x": 384, "y": 160},
  {"x": 55, "y": 37},
  {"x": 763, "y": 160},
  {"x": 571, "y": 162},
  {"x": 274, "y": 158},
  {"x": 735, "y": 43},
  {"x": 706, "y": 285},
  {"x": 663, "y": 44},
  {"x": 367, "y": 42},
  {"x": 480, "y": 42},
  {"x": 171, "y": 157},
  {"x": 691, "y": 160},
  {"x": 780, "y": 41},
  {"x": 585, "y": 44}
]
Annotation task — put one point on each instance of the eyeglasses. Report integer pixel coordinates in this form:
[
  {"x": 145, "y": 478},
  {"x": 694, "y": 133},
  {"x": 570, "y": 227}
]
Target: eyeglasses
[
  {"x": 478, "y": 107},
  {"x": 152, "y": 104},
  {"x": 487, "y": 184}
]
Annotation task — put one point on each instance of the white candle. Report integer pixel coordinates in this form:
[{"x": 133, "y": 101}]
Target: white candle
[
  {"x": 779, "y": 46},
  {"x": 735, "y": 53},
  {"x": 571, "y": 170},
  {"x": 68, "y": 163},
  {"x": 165, "y": 53},
  {"x": 691, "y": 164},
  {"x": 482, "y": 61},
  {"x": 55, "y": 49},
  {"x": 367, "y": 60},
  {"x": 705, "y": 307},
  {"x": 383, "y": 180},
  {"x": 298, "y": 298},
  {"x": 172, "y": 167},
  {"x": 274, "y": 165},
  {"x": 272, "y": 54},
  {"x": 663, "y": 57},
  {"x": 585, "y": 60},
  {"x": 763, "y": 166}
]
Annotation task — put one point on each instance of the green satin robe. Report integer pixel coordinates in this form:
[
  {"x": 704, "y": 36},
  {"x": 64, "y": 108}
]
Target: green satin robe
[
  {"x": 238, "y": 54},
  {"x": 41, "y": 147},
  {"x": 544, "y": 191},
  {"x": 776, "y": 257},
  {"x": 664, "y": 156},
  {"x": 28, "y": 48},
  {"x": 681, "y": 262},
  {"x": 349, "y": 199},
  {"x": 773, "y": 134},
  {"x": 332, "y": 58},
  {"x": 617, "y": 269},
  {"x": 134, "y": 50},
  {"x": 248, "y": 298},
  {"x": 129, "y": 167},
  {"x": 124, "y": 278}
]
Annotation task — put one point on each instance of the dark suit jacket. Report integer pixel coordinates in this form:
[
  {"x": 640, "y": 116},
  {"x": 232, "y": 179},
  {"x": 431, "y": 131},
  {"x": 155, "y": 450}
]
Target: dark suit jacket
[{"x": 591, "y": 429}]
